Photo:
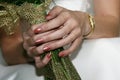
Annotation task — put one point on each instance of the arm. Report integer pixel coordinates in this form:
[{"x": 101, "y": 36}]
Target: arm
[
  {"x": 107, "y": 18},
  {"x": 71, "y": 26}
]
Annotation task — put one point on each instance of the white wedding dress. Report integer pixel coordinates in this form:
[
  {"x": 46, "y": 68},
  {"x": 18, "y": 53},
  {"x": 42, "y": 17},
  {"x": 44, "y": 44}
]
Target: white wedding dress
[{"x": 95, "y": 60}]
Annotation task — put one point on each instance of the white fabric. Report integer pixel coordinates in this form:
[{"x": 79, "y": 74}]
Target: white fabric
[
  {"x": 95, "y": 60},
  {"x": 72, "y": 5},
  {"x": 99, "y": 59}
]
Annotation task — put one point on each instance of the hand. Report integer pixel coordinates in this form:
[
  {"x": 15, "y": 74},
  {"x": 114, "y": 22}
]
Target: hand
[{"x": 63, "y": 27}]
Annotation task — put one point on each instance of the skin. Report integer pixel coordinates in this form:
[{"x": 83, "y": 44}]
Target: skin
[{"x": 71, "y": 26}]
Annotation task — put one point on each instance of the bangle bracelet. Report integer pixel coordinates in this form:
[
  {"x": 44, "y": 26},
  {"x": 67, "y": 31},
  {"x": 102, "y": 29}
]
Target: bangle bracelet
[{"x": 92, "y": 25}]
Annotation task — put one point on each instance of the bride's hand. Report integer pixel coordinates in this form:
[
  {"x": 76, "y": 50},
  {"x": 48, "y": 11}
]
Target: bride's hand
[{"x": 63, "y": 27}]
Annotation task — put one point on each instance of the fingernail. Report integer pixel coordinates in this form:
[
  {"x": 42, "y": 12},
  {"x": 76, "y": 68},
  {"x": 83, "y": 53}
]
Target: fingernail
[
  {"x": 47, "y": 15},
  {"x": 38, "y": 41},
  {"x": 61, "y": 54},
  {"x": 49, "y": 55},
  {"x": 46, "y": 48},
  {"x": 36, "y": 31}
]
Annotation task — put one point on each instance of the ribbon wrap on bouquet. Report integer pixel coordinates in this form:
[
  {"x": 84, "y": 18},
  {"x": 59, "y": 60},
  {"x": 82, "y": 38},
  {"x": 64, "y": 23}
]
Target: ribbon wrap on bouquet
[{"x": 34, "y": 13}]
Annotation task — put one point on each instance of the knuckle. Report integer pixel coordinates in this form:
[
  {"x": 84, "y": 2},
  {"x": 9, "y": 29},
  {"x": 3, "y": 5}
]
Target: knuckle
[
  {"x": 59, "y": 44},
  {"x": 74, "y": 22},
  {"x": 66, "y": 14},
  {"x": 47, "y": 37},
  {"x": 45, "y": 27},
  {"x": 63, "y": 33}
]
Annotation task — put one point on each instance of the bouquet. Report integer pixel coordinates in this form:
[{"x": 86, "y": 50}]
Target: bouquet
[{"x": 34, "y": 12}]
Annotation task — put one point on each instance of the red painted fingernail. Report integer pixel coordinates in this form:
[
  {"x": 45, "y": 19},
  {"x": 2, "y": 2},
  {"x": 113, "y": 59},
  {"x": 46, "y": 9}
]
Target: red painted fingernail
[
  {"x": 46, "y": 48},
  {"x": 38, "y": 41},
  {"x": 61, "y": 54},
  {"x": 47, "y": 15},
  {"x": 36, "y": 31},
  {"x": 49, "y": 55}
]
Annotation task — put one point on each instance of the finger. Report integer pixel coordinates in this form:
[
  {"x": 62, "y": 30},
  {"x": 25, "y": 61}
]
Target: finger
[
  {"x": 37, "y": 50},
  {"x": 25, "y": 37},
  {"x": 53, "y": 35},
  {"x": 26, "y": 45},
  {"x": 35, "y": 29},
  {"x": 31, "y": 51},
  {"x": 37, "y": 39},
  {"x": 30, "y": 41},
  {"x": 56, "y": 22},
  {"x": 38, "y": 62},
  {"x": 62, "y": 42},
  {"x": 72, "y": 48},
  {"x": 41, "y": 63},
  {"x": 55, "y": 11}
]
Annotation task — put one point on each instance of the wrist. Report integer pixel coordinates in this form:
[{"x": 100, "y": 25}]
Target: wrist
[{"x": 89, "y": 26}]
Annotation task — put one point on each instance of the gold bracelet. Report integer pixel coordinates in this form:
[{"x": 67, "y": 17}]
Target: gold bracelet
[{"x": 92, "y": 25}]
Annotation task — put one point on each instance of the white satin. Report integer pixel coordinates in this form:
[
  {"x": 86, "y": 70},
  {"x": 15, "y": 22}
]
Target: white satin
[{"x": 95, "y": 60}]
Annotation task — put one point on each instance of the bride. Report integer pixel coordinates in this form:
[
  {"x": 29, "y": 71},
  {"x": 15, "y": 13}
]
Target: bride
[{"x": 95, "y": 59}]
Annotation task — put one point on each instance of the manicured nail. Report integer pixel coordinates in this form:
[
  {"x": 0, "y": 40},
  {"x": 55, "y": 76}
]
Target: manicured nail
[
  {"x": 61, "y": 54},
  {"x": 38, "y": 41},
  {"x": 46, "y": 48},
  {"x": 47, "y": 15},
  {"x": 36, "y": 31},
  {"x": 49, "y": 55}
]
